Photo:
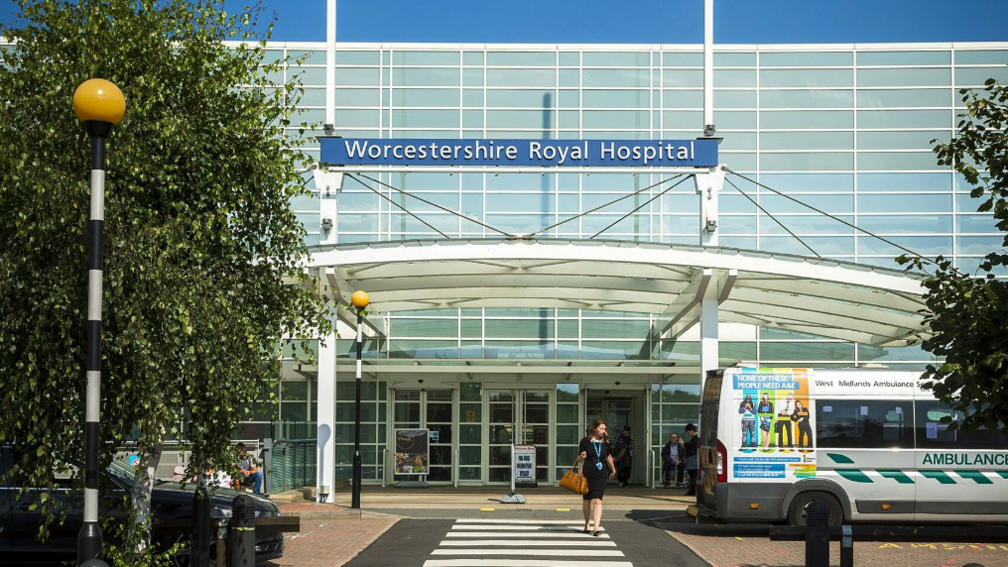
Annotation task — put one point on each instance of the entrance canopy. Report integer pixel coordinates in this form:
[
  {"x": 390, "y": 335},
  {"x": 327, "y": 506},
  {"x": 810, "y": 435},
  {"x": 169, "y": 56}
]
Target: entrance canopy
[{"x": 833, "y": 299}]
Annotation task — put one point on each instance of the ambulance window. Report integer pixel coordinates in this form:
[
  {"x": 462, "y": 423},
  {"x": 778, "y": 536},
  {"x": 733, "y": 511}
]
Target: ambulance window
[
  {"x": 868, "y": 424},
  {"x": 933, "y": 433}
]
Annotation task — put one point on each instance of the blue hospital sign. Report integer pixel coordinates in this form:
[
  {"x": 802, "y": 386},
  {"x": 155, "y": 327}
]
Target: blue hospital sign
[{"x": 545, "y": 153}]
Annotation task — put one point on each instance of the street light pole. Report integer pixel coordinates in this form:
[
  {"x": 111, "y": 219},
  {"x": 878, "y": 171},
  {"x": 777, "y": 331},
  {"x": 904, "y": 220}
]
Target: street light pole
[
  {"x": 360, "y": 301},
  {"x": 99, "y": 105}
]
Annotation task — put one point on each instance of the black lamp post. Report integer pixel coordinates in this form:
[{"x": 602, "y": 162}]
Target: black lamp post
[
  {"x": 99, "y": 105},
  {"x": 360, "y": 301}
]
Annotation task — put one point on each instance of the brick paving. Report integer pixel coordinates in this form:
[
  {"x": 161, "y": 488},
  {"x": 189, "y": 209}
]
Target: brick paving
[
  {"x": 750, "y": 546},
  {"x": 330, "y": 535}
]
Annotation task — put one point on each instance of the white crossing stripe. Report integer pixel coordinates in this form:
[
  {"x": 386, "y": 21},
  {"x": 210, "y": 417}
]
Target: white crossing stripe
[
  {"x": 520, "y": 563},
  {"x": 571, "y": 528},
  {"x": 553, "y": 552},
  {"x": 513, "y": 522},
  {"x": 526, "y": 543},
  {"x": 574, "y": 535}
]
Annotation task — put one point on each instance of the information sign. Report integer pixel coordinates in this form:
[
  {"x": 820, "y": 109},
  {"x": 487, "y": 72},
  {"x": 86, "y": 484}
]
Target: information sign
[
  {"x": 543, "y": 153},
  {"x": 524, "y": 465},
  {"x": 411, "y": 452}
]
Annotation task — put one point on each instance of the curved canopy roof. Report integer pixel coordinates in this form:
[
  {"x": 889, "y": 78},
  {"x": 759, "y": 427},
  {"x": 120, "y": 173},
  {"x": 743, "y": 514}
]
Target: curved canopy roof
[{"x": 834, "y": 299}]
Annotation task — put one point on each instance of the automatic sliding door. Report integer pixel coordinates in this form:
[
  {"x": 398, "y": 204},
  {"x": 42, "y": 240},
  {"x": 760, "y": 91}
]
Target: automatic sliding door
[
  {"x": 439, "y": 422},
  {"x": 406, "y": 409},
  {"x": 431, "y": 410},
  {"x": 536, "y": 430},
  {"x": 501, "y": 411}
]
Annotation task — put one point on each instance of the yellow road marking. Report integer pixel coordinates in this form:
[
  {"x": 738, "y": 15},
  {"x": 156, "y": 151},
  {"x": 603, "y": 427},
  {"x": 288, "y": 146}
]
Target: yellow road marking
[
  {"x": 486, "y": 509},
  {"x": 563, "y": 509}
]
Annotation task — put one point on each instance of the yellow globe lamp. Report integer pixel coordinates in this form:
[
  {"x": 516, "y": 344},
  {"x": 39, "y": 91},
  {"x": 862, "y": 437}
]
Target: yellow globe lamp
[
  {"x": 360, "y": 299},
  {"x": 98, "y": 100}
]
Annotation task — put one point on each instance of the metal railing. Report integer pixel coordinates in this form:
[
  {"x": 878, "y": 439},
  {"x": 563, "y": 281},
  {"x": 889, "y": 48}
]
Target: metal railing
[{"x": 293, "y": 463}]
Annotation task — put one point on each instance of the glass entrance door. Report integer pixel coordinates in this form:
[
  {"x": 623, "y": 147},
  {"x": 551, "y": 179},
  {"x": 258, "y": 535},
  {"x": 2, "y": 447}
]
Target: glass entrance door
[
  {"x": 432, "y": 410},
  {"x": 501, "y": 429},
  {"x": 438, "y": 419},
  {"x": 535, "y": 428}
]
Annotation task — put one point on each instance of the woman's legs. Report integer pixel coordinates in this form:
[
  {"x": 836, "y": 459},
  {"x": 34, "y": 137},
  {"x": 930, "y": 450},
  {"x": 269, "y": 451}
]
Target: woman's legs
[
  {"x": 597, "y": 512},
  {"x": 766, "y": 438},
  {"x": 586, "y": 508}
]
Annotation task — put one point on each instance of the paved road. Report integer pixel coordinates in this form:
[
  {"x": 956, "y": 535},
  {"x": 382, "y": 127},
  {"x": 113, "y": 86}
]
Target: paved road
[{"x": 510, "y": 542}]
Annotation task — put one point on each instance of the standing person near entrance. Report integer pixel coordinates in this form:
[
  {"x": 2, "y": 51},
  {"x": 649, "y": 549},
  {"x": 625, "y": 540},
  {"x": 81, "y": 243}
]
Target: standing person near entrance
[
  {"x": 597, "y": 469},
  {"x": 624, "y": 455},
  {"x": 691, "y": 459}
]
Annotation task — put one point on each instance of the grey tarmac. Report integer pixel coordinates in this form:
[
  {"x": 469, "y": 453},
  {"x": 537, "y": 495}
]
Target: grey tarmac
[{"x": 516, "y": 539}]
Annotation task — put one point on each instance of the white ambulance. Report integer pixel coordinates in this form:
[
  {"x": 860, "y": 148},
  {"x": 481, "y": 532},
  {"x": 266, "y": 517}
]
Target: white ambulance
[{"x": 870, "y": 443}]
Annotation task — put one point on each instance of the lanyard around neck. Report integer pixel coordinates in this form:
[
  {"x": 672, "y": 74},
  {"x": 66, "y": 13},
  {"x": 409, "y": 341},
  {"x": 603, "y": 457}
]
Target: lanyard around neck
[{"x": 598, "y": 450}]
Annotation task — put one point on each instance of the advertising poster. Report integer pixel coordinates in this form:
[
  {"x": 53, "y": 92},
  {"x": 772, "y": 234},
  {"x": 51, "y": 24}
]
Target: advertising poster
[
  {"x": 411, "y": 452},
  {"x": 773, "y": 431},
  {"x": 524, "y": 464}
]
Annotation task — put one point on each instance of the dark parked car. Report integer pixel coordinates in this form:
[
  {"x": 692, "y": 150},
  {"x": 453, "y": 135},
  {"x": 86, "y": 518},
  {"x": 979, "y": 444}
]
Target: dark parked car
[{"x": 19, "y": 524}]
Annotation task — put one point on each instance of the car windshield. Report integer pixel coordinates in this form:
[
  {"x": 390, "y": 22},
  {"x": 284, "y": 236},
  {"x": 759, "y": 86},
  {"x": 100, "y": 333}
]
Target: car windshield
[{"x": 122, "y": 470}]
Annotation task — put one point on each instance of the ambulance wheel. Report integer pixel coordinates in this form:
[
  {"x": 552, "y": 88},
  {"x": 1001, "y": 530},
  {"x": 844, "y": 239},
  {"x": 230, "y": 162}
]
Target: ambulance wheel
[{"x": 797, "y": 514}]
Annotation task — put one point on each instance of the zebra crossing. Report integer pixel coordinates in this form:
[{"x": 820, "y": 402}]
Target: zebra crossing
[{"x": 523, "y": 543}]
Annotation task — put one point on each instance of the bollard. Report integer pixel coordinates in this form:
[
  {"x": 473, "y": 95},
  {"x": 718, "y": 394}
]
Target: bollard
[
  {"x": 846, "y": 546},
  {"x": 222, "y": 535},
  {"x": 241, "y": 536},
  {"x": 201, "y": 534},
  {"x": 817, "y": 534}
]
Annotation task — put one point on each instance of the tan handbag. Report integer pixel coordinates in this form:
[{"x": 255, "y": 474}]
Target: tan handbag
[{"x": 575, "y": 481}]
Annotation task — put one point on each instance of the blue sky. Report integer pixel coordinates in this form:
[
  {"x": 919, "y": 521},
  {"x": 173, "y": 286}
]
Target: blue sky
[{"x": 657, "y": 21}]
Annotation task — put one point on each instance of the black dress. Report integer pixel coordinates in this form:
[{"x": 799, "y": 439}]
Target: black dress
[{"x": 596, "y": 478}]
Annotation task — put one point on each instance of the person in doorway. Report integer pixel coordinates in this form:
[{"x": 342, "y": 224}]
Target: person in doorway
[
  {"x": 784, "y": 410},
  {"x": 624, "y": 455},
  {"x": 249, "y": 471},
  {"x": 691, "y": 459},
  {"x": 802, "y": 419},
  {"x": 670, "y": 461},
  {"x": 748, "y": 412},
  {"x": 765, "y": 411},
  {"x": 597, "y": 469}
]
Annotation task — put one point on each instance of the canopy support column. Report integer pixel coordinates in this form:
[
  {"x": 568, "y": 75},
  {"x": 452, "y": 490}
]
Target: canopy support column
[
  {"x": 708, "y": 185},
  {"x": 708, "y": 332},
  {"x": 325, "y": 479}
]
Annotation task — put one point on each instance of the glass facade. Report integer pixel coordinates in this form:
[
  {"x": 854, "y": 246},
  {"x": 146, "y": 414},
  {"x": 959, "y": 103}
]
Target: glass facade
[{"x": 848, "y": 131}]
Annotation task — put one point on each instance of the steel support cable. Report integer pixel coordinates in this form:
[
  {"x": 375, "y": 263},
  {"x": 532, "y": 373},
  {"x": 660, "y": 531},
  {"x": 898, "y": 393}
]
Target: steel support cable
[
  {"x": 404, "y": 209},
  {"x": 767, "y": 213},
  {"x": 447, "y": 210},
  {"x": 840, "y": 220},
  {"x": 575, "y": 217},
  {"x": 642, "y": 205}
]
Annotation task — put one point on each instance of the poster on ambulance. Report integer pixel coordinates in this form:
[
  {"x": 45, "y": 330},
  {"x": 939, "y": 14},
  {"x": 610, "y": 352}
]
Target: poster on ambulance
[{"x": 773, "y": 437}]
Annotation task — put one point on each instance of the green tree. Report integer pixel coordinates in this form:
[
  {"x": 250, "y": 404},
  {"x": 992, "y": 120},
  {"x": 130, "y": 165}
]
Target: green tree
[
  {"x": 968, "y": 313},
  {"x": 201, "y": 245}
]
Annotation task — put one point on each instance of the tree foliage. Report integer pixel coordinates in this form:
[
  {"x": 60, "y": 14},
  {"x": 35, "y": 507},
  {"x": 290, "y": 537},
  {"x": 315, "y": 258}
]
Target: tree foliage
[
  {"x": 968, "y": 313},
  {"x": 201, "y": 245}
]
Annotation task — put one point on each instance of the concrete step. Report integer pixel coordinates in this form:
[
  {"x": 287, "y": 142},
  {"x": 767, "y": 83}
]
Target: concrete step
[{"x": 294, "y": 495}]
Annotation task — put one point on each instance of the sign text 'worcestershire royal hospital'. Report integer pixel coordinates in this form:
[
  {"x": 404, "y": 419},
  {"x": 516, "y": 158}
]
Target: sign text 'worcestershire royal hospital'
[{"x": 545, "y": 153}]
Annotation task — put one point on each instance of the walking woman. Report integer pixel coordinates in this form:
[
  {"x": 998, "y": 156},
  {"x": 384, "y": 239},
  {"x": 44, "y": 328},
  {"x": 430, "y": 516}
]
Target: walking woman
[{"x": 597, "y": 469}]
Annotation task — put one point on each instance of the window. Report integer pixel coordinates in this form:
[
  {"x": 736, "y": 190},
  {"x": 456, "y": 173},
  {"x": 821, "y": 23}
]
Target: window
[
  {"x": 862, "y": 424},
  {"x": 933, "y": 434}
]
